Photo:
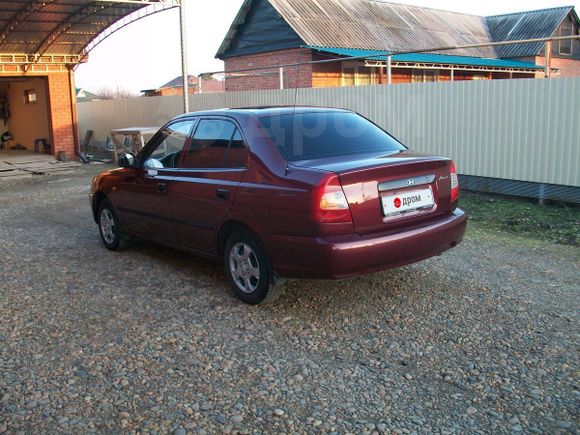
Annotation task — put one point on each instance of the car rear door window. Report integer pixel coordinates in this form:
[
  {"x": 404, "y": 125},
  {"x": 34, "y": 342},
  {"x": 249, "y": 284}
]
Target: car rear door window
[
  {"x": 216, "y": 144},
  {"x": 237, "y": 153}
]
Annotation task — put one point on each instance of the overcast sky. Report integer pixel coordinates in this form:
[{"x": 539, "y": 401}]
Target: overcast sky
[{"x": 146, "y": 54}]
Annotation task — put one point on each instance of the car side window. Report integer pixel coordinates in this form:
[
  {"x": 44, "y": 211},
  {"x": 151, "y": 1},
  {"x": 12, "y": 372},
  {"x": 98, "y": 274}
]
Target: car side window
[
  {"x": 238, "y": 153},
  {"x": 215, "y": 142},
  {"x": 171, "y": 142}
]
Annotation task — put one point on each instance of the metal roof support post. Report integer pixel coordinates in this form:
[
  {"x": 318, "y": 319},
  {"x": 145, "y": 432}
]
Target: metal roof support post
[
  {"x": 452, "y": 74},
  {"x": 389, "y": 70},
  {"x": 548, "y": 55},
  {"x": 184, "y": 71},
  {"x": 74, "y": 112}
]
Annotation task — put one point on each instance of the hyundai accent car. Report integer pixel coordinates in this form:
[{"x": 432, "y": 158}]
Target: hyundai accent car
[{"x": 286, "y": 192}]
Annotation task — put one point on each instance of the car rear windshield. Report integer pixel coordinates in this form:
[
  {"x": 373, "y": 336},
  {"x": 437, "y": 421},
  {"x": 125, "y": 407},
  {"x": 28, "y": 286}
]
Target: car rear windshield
[{"x": 318, "y": 135}]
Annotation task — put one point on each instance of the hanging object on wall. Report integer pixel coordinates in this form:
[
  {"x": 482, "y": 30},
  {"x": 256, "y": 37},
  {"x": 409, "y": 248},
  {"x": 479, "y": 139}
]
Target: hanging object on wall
[{"x": 30, "y": 96}]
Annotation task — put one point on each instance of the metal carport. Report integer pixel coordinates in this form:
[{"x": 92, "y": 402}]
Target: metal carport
[
  {"x": 48, "y": 38},
  {"x": 34, "y": 32}
]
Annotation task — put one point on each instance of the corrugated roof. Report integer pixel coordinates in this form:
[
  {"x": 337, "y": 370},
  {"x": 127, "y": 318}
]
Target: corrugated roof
[
  {"x": 372, "y": 24},
  {"x": 63, "y": 27},
  {"x": 429, "y": 58},
  {"x": 178, "y": 82},
  {"x": 379, "y": 25},
  {"x": 525, "y": 25}
]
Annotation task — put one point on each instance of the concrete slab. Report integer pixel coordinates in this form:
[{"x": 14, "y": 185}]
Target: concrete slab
[
  {"x": 15, "y": 165},
  {"x": 5, "y": 167}
]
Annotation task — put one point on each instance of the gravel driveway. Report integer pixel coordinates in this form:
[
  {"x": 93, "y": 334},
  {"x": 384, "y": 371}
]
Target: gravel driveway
[{"x": 481, "y": 340}]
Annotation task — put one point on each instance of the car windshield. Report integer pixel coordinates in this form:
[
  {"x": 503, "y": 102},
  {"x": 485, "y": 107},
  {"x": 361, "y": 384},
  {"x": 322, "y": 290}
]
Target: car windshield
[{"x": 317, "y": 135}]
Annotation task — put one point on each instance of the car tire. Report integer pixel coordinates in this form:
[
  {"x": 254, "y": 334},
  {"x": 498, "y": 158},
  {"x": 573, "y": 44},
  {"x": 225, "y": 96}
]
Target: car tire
[
  {"x": 249, "y": 269},
  {"x": 110, "y": 228}
]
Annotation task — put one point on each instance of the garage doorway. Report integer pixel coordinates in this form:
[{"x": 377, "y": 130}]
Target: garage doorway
[{"x": 25, "y": 125}]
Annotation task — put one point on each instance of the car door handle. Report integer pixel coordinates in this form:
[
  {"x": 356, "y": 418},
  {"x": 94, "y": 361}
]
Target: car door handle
[
  {"x": 222, "y": 193},
  {"x": 162, "y": 187}
]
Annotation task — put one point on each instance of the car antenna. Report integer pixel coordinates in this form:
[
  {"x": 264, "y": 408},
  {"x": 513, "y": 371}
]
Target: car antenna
[{"x": 293, "y": 138}]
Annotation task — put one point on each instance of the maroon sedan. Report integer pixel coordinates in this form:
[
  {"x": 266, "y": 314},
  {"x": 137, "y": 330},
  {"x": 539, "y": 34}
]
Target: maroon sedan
[{"x": 282, "y": 192}]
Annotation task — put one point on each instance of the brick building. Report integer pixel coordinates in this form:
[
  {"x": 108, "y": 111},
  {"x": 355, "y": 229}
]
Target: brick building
[
  {"x": 175, "y": 87},
  {"x": 41, "y": 42},
  {"x": 269, "y": 33},
  {"x": 38, "y": 104}
]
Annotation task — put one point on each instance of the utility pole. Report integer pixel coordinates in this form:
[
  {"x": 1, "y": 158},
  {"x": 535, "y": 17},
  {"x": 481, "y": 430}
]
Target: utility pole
[
  {"x": 281, "y": 78},
  {"x": 548, "y": 59},
  {"x": 184, "y": 71}
]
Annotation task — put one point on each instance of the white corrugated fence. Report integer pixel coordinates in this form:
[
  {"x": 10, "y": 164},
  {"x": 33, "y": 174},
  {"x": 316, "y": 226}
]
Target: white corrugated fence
[{"x": 525, "y": 130}]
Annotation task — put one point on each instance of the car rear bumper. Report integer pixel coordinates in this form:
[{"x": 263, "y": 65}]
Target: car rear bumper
[{"x": 351, "y": 255}]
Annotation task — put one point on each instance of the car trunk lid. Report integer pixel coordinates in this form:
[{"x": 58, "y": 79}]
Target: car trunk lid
[{"x": 389, "y": 191}]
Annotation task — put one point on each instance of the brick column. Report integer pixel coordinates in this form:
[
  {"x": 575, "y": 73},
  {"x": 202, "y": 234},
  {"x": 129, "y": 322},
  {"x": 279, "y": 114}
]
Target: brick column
[{"x": 61, "y": 116}]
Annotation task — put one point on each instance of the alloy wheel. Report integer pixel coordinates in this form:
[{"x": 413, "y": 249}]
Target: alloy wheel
[
  {"x": 107, "y": 224},
  {"x": 244, "y": 267}
]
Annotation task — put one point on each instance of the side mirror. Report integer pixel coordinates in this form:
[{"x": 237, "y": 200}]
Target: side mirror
[{"x": 127, "y": 160}]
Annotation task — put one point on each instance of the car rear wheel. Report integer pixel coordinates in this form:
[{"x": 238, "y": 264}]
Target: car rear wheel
[
  {"x": 110, "y": 227},
  {"x": 249, "y": 269}
]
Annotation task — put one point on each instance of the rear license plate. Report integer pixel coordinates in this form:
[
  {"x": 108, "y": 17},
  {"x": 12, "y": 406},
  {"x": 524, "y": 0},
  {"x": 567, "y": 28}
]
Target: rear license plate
[{"x": 409, "y": 200}]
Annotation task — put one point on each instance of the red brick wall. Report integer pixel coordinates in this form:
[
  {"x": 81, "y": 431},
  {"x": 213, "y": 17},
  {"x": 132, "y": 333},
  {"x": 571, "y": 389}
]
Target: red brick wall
[
  {"x": 61, "y": 116},
  {"x": 269, "y": 78},
  {"x": 166, "y": 92},
  {"x": 325, "y": 75},
  {"x": 567, "y": 67},
  {"x": 330, "y": 74},
  {"x": 173, "y": 91}
]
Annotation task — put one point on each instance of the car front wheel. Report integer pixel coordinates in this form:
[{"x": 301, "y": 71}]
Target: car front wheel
[
  {"x": 249, "y": 269},
  {"x": 110, "y": 227}
]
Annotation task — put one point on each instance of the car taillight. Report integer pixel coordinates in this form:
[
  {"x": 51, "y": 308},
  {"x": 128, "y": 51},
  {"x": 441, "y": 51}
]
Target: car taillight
[
  {"x": 454, "y": 183},
  {"x": 329, "y": 201}
]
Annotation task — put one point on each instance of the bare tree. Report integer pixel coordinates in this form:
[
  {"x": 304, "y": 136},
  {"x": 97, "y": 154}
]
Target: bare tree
[
  {"x": 207, "y": 77},
  {"x": 108, "y": 93}
]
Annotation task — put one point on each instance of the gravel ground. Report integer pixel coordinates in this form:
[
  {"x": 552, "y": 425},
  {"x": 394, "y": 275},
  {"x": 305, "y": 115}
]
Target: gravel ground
[{"x": 481, "y": 340}]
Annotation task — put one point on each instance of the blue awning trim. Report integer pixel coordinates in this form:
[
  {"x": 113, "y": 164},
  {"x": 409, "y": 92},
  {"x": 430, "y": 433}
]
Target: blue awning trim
[{"x": 427, "y": 58}]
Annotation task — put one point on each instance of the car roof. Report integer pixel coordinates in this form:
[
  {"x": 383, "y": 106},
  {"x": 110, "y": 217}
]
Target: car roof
[{"x": 265, "y": 111}]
